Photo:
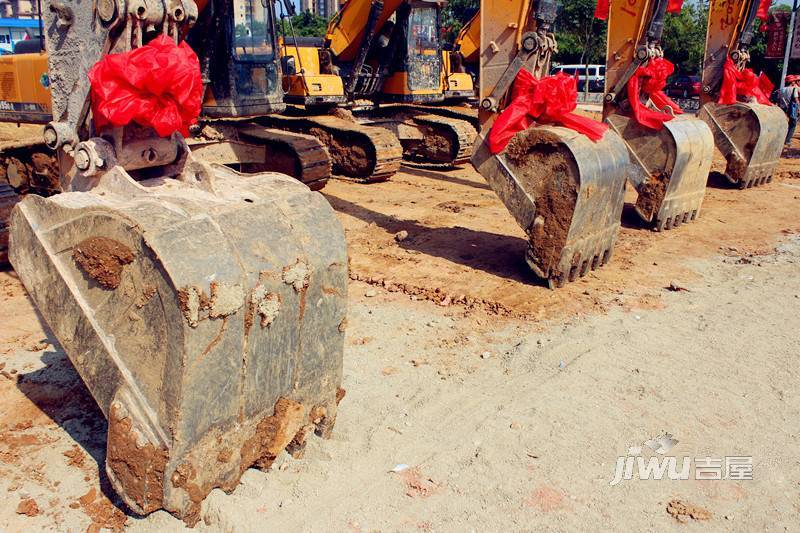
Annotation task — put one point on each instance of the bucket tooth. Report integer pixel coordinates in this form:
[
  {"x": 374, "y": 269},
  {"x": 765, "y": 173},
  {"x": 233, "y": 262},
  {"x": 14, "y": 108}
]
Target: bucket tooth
[
  {"x": 205, "y": 316},
  {"x": 670, "y": 166},
  {"x": 750, "y": 136},
  {"x": 564, "y": 190}
]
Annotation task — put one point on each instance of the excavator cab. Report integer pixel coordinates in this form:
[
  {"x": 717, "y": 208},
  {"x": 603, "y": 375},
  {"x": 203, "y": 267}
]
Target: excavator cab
[
  {"x": 670, "y": 164},
  {"x": 416, "y": 68},
  {"x": 240, "y": 62},
  {"x": 457, "y": 82},
  {"x": 563, "y": 189},
  {"x": 203, "y": 308},
  {"x": 749, "y": 134}
]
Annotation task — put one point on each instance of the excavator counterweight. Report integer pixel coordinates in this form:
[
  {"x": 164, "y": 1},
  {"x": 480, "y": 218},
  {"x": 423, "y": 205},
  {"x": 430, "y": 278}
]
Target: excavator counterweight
[{"x": 749, "y": 134}]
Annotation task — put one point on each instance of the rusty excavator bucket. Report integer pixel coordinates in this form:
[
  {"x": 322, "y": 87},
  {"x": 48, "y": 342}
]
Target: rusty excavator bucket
[
  {"x": 205, "y": 316},
  {"x": 669, "y": 167},
  {"x": 203, "y": 308},
  {"x": 565, "y": 191},
  {"x": 750, "y": 136}
]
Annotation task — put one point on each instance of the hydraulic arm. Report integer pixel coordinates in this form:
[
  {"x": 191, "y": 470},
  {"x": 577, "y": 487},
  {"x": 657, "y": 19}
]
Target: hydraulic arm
[
  {"x": 670, "y": 157},
  {"x": 563, "y": 189},
  {"x": 749, "y": 134}
]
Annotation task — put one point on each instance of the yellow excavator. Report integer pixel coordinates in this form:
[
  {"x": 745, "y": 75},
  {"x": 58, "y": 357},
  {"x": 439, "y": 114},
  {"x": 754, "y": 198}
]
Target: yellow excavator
[
  {"x": 671, "y": 155},
  {"x": 242, "y": 79},
  {"x": 388, "y": 53},
  {"x": 458, "y": 84},
  {"x": 563, "y": 189},
  {"x": 749, "y": 134},
  {"x": 203, "y": 308}
]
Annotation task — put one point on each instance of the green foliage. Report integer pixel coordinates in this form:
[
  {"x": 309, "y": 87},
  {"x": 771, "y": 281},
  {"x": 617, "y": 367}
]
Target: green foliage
[
  {"x": 454, "y": 15},
  {"x": 684, "y": 37},
  {"x": 305, "y": 24},
  {"x": 581, "y": 37}
]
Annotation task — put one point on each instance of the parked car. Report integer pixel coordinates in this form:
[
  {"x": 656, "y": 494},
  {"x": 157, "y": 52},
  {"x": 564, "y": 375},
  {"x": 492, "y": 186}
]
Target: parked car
[
  {"x": 683, "y": 86},
  {"x": 596, "y": 76}
]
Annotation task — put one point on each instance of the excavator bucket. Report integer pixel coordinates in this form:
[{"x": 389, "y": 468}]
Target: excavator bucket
[
  {"x": 205, "y": 315},
  {"x": 565, "y": 191},
  {"x": 669, "y": 167},
  {"x": 750, "y": 136}
]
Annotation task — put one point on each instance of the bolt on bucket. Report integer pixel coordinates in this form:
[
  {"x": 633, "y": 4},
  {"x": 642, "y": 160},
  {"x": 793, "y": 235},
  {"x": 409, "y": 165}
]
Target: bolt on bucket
[
  {"x": 669, "y": 167},
  {"x": 751, "y": 138},
  {"x": 205, "y": 315},
  {"x": 565, "y": 191}
]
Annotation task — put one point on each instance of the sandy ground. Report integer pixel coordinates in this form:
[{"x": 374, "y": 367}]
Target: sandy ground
[{"x": 511, "y": 407}]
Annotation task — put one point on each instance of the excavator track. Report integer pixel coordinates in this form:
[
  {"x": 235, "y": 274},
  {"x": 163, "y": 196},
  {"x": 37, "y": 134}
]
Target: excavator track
[
  {"x": 429, "y": 139},
  {"x": 308, "y": 159},
  {"x": 254, "y": 148},
  {"x": 8, "y": 199},
  {"x": 465, "y": 113},
  {"x": 361, "y": 154},
  {"x": 25, "y": 166}
]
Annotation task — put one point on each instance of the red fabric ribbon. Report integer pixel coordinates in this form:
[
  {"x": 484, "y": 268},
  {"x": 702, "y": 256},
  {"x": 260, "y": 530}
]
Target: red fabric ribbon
[
  {"x": 650, "y": 80},
  {"x": 157, "y": 85},
  {"x": 601, "y": 9},
  {"x": 603, "y": 6},
  {"x": 550, "y": 100},
  {"x": 763, "y": 10},
  {"x": 743, "y": 83},
  {"x": 674, "y": 6}
]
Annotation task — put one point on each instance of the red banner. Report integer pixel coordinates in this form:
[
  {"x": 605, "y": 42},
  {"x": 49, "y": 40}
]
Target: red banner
[{"x": 776, "y": 29}]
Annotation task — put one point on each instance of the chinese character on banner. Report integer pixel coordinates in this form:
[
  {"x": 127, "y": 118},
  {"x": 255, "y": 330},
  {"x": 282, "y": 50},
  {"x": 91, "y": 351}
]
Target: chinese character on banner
[
  {"x": 776, "y": 34},
  {"x": 738, "y": 467},
  {"x": 795, "y": 52},
  {"x": 707, "y": 468}
]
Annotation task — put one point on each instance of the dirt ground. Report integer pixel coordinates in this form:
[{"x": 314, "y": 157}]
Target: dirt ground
[{"x": 508, "y": 402}]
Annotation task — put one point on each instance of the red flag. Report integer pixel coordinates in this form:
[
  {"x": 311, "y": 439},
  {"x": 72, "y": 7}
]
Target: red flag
[
  {"x": 763, "y": 10},
  {"x": 674, "y": 6},
  {"x": 601, "y": 10}
]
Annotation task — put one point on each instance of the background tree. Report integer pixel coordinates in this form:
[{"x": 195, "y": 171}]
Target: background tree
[
  {"x": 684, "y": 37},
  {"x": 581, "y": 37},
  {"x": 305, "y": 24},
  {"x": 454, "y": 15}
]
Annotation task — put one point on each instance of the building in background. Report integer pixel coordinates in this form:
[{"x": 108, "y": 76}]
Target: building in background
[
  {"x": 324, "y": 8},
  {"x": 19, "y": 9},
  {"x": 245, "y": 14},
  {"x": 15, "y": 30}
]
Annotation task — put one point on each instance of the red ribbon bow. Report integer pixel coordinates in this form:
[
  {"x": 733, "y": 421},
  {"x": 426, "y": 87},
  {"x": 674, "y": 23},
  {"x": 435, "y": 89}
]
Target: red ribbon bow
[
  {"x": 603, "y": 6},
  {"x": 743, "y": 83},
  {"x": 157, "y": 85},
  {"x": 650, "y": 79},
  {"x": 550, "y": 100}
]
